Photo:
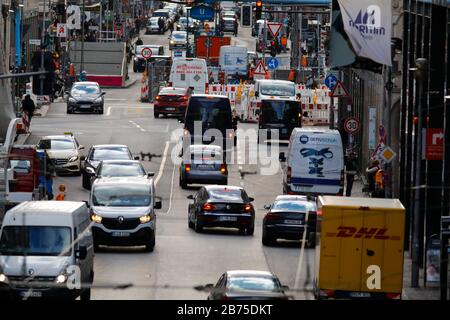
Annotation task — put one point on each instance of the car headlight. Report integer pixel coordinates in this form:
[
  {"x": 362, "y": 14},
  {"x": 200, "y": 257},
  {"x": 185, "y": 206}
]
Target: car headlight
[
  {"x": 172, "y": 42},
  {"x": 146, "y": 218},
  {"x": 3, "y": 278},
  {"x": 61, "y": 278},
  {"x": 96, "y": 218},
  {"x": 98, "y": 100},
  {"x": 74, "y": 158},
  {"x": 72, "y": 100}
]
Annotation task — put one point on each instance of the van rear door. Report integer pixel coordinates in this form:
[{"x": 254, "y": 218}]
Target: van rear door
[{"x": 189, "y": 73}]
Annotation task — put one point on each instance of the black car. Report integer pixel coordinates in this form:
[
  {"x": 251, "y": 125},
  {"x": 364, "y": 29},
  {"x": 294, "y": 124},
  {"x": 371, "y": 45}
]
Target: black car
[
  {"x": 222, "y": 206},
  {"x": 286, "y": 220},
  {"x": 98, "y": 153},
  {"x": 247, "y": 285},
  {"x": 120, "y": 168},
  {"x": 85, "y": 96}
]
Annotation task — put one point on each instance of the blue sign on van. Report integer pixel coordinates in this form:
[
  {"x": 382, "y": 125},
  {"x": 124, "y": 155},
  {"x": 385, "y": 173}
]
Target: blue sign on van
[
  {"x": 202, "y": 13},
  {"x": 304, "y": 139}
]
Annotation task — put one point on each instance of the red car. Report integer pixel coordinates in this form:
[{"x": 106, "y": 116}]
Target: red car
[{"x": 172, "y": 100}]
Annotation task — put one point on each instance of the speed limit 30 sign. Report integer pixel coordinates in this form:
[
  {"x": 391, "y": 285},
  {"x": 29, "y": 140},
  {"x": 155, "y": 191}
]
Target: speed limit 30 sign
[
  {"x": 146, "y": 52},
  {"x": 351, "y": 125}
]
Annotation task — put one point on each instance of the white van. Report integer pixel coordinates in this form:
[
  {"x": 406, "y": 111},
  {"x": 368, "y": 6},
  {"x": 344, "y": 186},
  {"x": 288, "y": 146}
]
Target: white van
[
  {"x": 314, "y": 162},
  {"x": 189, "y": 72},
  {"x": 46, "y": 251},
  {"x": 234, "y": 59}
]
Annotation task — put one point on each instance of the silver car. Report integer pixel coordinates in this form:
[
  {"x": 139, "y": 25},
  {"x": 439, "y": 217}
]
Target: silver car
[{"x": 178, "y": 39}]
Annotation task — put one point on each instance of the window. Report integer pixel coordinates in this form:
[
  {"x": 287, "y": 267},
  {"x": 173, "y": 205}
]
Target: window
[
  {"x": 253, "y": 284},
  {"x": 20, "y": 166},
  {"x": 122, "y": 170},
  {"x": 56, "y": 144},
  {"x": 275, "y": 111},
  {"x": 278, "y": 89},
  {"x": 293, "y": 206},
  {"x": 80, "y": 90},
  {"x": 119, "y": 153},
  {"x": 121, "y": 196},
  {"x": 226, "y": 194},
  {"x": 214, "y": 113}
]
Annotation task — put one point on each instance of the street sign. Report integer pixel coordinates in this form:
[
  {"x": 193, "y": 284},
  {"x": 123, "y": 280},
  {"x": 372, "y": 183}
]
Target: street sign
[
  {"x": 202, "y": 13},
  {"x": 36, "y": 42},
  {"x": 339, "y": 90},
  {"x": 61, "y": 30},
  {"x": 274, "y": 28},
  {"x": 146, "y": 52},
  {"x": 260, "y": 68},
  {"x": 179, "y": 53},
  {"x": 272, "y": 63},
  {"x": 387, "y": 154},
  {"x": 351, "y": 125},
  {"x": 434, "y": 147},
  {"x": 330, "y": 81}
]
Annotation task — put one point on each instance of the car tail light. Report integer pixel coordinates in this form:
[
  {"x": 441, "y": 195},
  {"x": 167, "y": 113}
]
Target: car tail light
[
  {"x": 247, "y": 208},
  {"x": 327, "y": 293},
  {"x": 258, "y": 105},
  {"x": 169, "y": 84},
  {"x": 158, "y": 98},
  {"x": 223, "y": 168},
  {"x": 393, "y": 296},
  {"x": 206, "y": 88},
  {"x": 271, "y": 216},
  {"x": 208, "y": 207},
  {"x": 184, "y": 98},
  {"x": 187, "y": 167},
  {"x": 289, "y": 173},
  {"x": 230, "y": 134}
]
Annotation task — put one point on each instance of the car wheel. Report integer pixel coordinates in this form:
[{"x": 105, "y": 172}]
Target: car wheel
[
  {"x": 96, "y": 247},
  {"x": 69, "y": 111},
  {"x": 242, "y": 231},
  {"x": 250, "y": 230},
  {"x": 183, "y": 183},
  {"x": 134, "y": 68},
  {"x": 86, "y": 295},
  {"x": 86, "y": 181},
  {"x": 311, "y": 240},
  {"x": 156, "y": 115},
  {"x": 150, "y": 244},
  {"x": 191, "y": 225},
  {"x": 100, "y": 111},
  {"x": 267, "y": 240},
  {"x": 197, "y": 227},
  {"x": 77, "y": 174}
]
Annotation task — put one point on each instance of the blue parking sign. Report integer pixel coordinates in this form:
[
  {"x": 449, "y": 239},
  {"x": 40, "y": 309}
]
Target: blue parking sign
[
  {"x": 330, "y": 81},
  {"x": 272, "y": 63}
]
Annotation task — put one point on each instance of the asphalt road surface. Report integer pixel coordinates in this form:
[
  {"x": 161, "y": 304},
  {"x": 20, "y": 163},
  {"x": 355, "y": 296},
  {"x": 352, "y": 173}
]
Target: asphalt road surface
[{"x": 182, "y": 259}]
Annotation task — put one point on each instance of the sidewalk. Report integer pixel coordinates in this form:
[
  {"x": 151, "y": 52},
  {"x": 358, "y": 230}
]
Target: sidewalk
[{"x": 422, "y": 293}]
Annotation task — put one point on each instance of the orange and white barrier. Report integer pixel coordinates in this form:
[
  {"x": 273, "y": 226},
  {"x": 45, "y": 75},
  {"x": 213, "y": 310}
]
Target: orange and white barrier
[
  {"x": 317, "y": 114},
  {"x": 144, "y": 88}
]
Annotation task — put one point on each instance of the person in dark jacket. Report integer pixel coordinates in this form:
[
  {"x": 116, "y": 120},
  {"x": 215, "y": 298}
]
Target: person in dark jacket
[
  {"x": 350, "y": 172},
  {"x": 139, "y": 42},
  {"x": 28, "y": 107}
]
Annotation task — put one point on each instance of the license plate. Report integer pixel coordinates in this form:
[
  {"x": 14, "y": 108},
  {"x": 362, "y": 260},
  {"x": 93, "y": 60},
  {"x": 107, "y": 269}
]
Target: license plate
[
  {"x": 293, "y": 221},
  {"x": 170, "y": 109},
  {"x": 228, "y": 218},
  {"x": 359, "y": 294},
  {"x": 120, "y": 234},
  {"x": 205, "y": 166},
  {"x": 30, "y": 294},
  {"x": 85, "y": 106},
  {"x": 297, "y": 187}
]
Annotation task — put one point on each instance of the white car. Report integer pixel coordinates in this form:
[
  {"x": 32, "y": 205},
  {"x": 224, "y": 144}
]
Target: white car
[
  {"x": 63, "y": 151},
  {"x": 153, "y": 27},
  {"x": 178, "y": 40}
]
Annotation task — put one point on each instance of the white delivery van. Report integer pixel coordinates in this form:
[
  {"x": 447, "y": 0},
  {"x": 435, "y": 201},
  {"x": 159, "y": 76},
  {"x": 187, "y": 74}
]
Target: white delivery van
[
  {"x": 189, "y": 72},
  {"x": 314, "y": 162},
  {"x": 234, "y": 60},
  {"x": 46, "y": 251}
]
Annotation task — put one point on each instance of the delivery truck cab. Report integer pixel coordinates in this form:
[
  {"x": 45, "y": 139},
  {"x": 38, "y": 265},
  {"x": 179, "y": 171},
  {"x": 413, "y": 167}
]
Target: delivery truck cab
[
  {"x": 314, "y": 164},
  {"x": 46, "y": 251},
  {"x": 189, "y": 73},
  {"x": 359, "y": 248}
]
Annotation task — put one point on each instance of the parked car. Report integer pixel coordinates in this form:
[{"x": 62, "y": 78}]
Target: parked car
[
  {"x": 171, "y": 100},
  {"x": 153, "y": 27},
  {"x": 247, "y": 285},
  {"x": 222, "y": 206},
  {"x": 286, "y": 219},
  {"x": 178, "y": 39},
  {"x": 85, "y": 96},
  {"x": 203, "y": 164}
]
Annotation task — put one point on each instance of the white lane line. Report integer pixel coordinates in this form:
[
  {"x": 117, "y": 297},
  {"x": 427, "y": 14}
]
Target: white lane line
[
  {"x": 108, "y": 112},
  {"x": 163, "y": 162},
  {"x": 300, "y": 259},
  {"x": 171, "y": 191}
]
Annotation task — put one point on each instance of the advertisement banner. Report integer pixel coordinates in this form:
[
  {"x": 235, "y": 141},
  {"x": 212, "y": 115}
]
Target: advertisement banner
[{"x": 368, "y": 24}]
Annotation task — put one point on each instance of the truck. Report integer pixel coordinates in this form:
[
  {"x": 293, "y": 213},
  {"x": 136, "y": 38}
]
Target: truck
[
  {"x": 208, "y": 48},
  {"x": 359, "y": 248}
]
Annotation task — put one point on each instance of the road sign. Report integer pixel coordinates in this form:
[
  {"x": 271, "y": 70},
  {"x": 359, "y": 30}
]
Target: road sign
[
  {"x": 330, "y": 81},
  {"x": 146, "y": 52},
  {"x": 178, "y": 53},
  {"x": 61, "y": 30},
  {"x": 202, "y": 13},
  {"x": 351, "y": 125},
  {"x": 260, "y": 68},
  {"x": 339, "y": 90},
  {"x": 387, "y": 154},
  {"x": 274, "y": 28},
  {"x": 434, "y": 147},
  {"x": 36, "y": 42},
  {"x": 272, "y": 63}
]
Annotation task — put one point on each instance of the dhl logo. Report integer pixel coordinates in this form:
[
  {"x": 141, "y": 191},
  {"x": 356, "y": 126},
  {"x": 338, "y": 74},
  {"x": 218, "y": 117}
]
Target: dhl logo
[{"x": 366, "y": 233}]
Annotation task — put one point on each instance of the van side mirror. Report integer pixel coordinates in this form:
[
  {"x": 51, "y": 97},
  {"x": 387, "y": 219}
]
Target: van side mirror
[
  {"x": 157, "y": 205},
  {"x": 150, "y": 174},
  {"x": 87, "y": 203},
  {"x": 251, "y": 199},
  {"x": 81, "y": 253},
  {"x": 267, "y": 206},
  {"x": 282, "y": 157},
  {"x": 90, "y": 170},
  {"x": 136, "y": 158},
  {"x": 190, "y": 197}
]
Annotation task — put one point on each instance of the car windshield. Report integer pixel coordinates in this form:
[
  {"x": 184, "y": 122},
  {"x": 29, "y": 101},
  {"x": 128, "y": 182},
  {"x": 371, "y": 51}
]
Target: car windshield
[
  {"x": 56, "y": 144},
  {"x": 121, "y": 170},
  {"x": 253, "y": 284},
  {"x": 35, "y": 241},
  {"x": 278, "y": 89},
  {"x": 212, "y": 112},
  {"x": 79, "y": 90},
  {"x": 293, "y": 206},
  {"x": 180, "y": 91},
  {"x": 122, "y": 195},
  {"x": 179, "y": 36},
  {"x": 226, "y": 194},
  {"x": 274, "y": 111},
  {"x": 119, "y": 153}
]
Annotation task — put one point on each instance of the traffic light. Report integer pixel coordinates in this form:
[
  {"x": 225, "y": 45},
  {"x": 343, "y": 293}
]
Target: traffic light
[
  {"x": 273, "y": 49},
  {"x": 246, "y": 15},
  {"x": 49, "y": 66},
  {"x": 258, "y": 11}
]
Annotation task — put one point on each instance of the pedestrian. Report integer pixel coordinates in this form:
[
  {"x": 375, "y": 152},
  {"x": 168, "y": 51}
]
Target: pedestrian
[
  {"x": 171, "y": 27},
  {"x": 83, "y": 76},
  {"x": 62, "y": 193},
  {"x": 139, "y": 42},
  {"x": 28, "y": 107},
  {"x": 350, "y": 172},
  {"x": 371, "y": 170},
  {"x": 48, "y": 177},
  {"x": 137, "y": 24},
  {"x": 379, "y": 184},
  {"x": 235, "y": 27}
]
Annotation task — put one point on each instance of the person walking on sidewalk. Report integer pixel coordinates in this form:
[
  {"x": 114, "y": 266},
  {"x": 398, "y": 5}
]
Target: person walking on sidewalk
[
  {"x": 28, "y": 107},
  {"x": 379, "y": 184},
  {"x": 350, "y": 172},
  {"x": 371, "y": 171}
]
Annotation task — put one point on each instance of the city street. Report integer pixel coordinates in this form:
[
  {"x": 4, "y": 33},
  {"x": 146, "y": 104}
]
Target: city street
[{"x": 182, "y": 258}]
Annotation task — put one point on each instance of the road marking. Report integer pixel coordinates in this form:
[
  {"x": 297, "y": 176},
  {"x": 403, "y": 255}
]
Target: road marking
[
  {"x": 163, "y": 162},
  {"x": 115, "y": 99},
  {"x": 300, "y": 259},
  {"x": 171, "y": 191},
  {"x": 108, "y": 112}
]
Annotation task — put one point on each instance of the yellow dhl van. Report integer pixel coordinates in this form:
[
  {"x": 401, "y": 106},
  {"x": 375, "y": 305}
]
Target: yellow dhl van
[{"x": 359, "y": 248}]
